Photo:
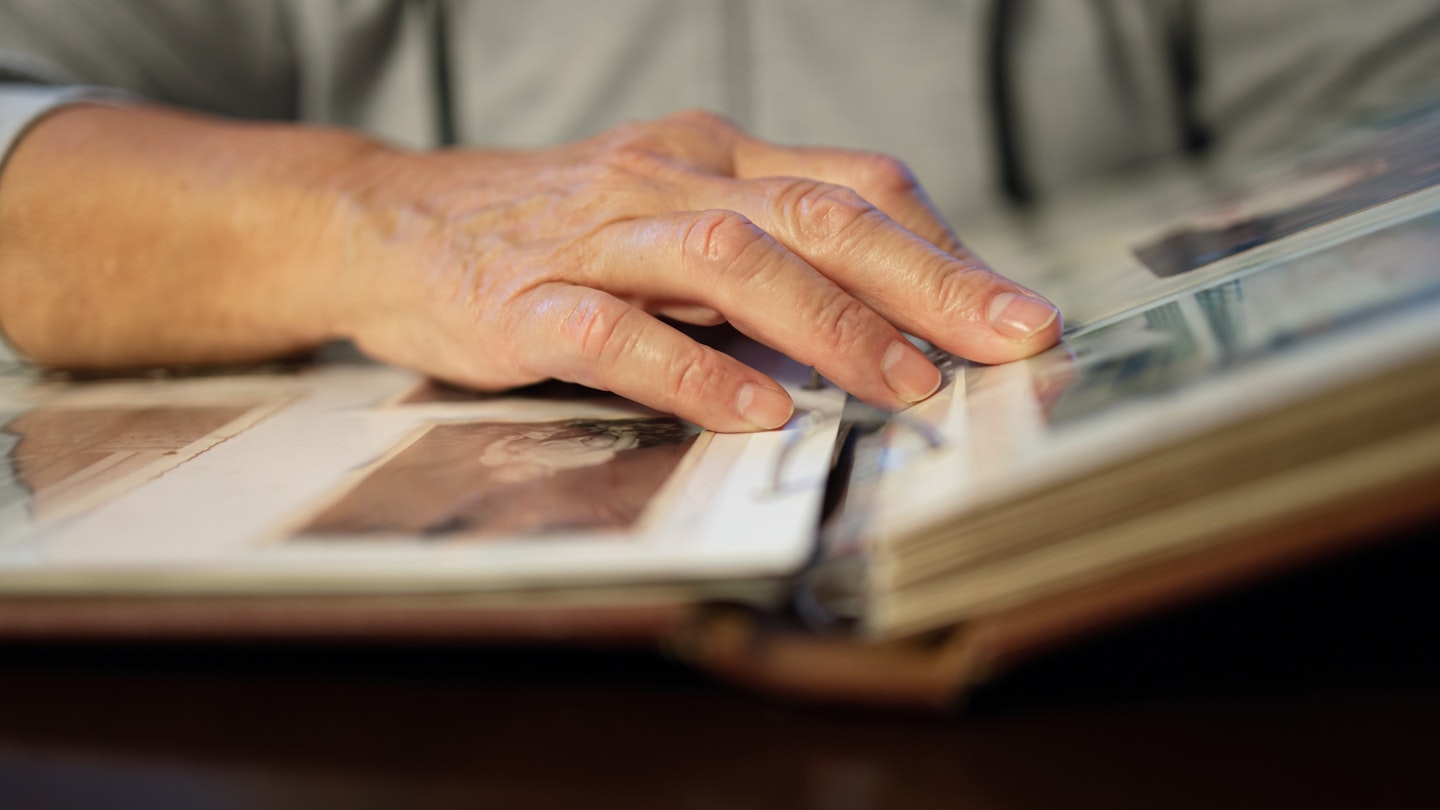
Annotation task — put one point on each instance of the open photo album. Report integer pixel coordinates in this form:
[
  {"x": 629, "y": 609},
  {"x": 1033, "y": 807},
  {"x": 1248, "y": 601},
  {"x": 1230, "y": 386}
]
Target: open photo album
[
  {"x": 356, "y": 477},
  {"x": 1249, "y": 379}
]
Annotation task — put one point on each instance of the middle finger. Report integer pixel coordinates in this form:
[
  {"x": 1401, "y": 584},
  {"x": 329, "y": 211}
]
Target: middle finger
[{"x": 721, "y": 260}]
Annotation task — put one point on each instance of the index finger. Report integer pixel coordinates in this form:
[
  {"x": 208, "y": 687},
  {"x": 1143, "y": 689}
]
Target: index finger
[{"x": 953, "y": 301}]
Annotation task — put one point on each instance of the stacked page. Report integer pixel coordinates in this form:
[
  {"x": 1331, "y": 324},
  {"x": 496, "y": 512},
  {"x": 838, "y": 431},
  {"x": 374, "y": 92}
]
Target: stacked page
[{"x": 1225, "y": 370}]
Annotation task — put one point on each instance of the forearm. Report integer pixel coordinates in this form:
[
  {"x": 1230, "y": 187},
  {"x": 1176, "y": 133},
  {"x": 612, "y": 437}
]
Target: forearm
[{"x": 140, "y": 235}]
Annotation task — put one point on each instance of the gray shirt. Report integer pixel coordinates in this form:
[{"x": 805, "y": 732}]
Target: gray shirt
[{"x": 1092, "y": 84}]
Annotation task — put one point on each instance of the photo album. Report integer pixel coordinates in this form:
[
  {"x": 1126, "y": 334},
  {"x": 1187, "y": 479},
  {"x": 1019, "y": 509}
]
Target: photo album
[{"x": 1249, "y": 381}]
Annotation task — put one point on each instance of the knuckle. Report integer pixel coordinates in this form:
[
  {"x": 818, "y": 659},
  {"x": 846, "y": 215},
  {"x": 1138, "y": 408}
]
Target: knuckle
[
  {"x": 641, "y": 156},
  {"x": 692, "y": 375},
  {"x": 842, "y": 323},
  {"x": 645, "y": 147},
  {"x": 593, "y": 330},
  {"x": 699, "y": 139},
  {"x": 717, "y": 241},
  {"x": 821, "y": 210},
  {"x": 887, "y": 174},
  {"x": 958, "y": 286}
]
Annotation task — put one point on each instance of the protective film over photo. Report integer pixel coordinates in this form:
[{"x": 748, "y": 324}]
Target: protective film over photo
[
  {"x": 1238, "y": 321},
  {"x": 480, "y": 480},
  {"x": 60, "y": 459},
  {"x": 1398, "y": 162}
]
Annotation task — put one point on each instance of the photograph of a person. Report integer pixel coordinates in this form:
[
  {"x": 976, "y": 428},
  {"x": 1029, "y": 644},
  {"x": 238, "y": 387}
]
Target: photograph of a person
[
  {"x": 491, "y": 479},
  {"x": 56, "y": 460}
]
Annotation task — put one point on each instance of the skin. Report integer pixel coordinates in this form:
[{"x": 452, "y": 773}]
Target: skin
[{"x": 144, "y": 235}]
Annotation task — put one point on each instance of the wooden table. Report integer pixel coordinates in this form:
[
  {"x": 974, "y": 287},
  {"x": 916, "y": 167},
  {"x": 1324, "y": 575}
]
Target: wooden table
[{"x": 1319, "y": 690}]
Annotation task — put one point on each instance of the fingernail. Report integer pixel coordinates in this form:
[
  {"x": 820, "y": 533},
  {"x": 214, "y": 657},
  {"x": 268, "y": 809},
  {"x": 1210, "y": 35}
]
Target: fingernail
[
  {"x": 1019, "y": 316},
  {"x": 908, "y": 373},
  {"x": 763, "y": 407}
]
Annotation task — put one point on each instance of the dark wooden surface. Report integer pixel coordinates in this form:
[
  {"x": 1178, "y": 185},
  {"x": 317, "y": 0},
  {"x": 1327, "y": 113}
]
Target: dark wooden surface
[{"x": 1318, "y": 690}]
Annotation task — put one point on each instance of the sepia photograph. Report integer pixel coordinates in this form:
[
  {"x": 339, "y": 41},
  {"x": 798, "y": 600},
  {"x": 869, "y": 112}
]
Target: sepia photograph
[
  {"x": 493, "y": 479},
  {"x": 56, "y": 460}
]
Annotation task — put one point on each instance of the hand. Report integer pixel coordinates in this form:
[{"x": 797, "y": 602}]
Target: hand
[
  {"x": 496, "y": 269},
  {"x": 141, "y": 235}
]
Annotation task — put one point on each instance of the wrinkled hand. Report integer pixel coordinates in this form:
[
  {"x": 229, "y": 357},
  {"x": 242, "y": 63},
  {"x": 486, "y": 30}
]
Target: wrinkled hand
[{"x": 497, "y": 269}]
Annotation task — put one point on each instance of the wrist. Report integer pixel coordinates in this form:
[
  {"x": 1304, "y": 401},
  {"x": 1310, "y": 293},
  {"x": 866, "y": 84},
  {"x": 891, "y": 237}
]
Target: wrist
[{"x": 360, "y": 202}]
